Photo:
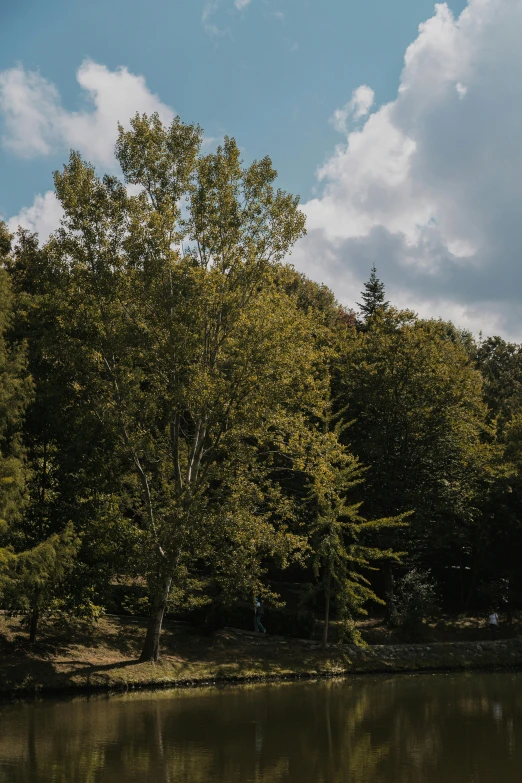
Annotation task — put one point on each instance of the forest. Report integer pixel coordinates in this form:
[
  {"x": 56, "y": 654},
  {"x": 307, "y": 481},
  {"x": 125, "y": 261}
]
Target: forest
[{"x": 188, "y": 424}]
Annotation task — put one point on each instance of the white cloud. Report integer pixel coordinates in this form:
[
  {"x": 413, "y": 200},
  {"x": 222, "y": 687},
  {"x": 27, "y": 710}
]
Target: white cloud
[
  {"x": 35, "y": 122},
  {"x": 240, "y": 4},
  {"x": 28, "y": 104},
  {"x": 359, "y": 106},
  {"x": 461, "y": 89},
  {"x": 43, "y": 217},
  {"x": 429, "y": 186}
]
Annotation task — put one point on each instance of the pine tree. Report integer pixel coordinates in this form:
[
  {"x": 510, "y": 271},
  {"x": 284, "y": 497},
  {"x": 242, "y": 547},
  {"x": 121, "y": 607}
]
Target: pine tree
[{"x": 373, "y": 296}]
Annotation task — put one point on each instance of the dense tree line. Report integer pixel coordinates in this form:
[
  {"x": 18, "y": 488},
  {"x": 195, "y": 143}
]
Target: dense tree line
[{"x": 181, "y": 410}]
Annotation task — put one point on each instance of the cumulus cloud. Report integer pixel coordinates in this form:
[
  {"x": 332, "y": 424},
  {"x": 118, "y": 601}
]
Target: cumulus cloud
[
  {"x": 28, "y": 103},
  {"x": 36, "y": 123},
  {"x": 42, "y": 218},
  {"x": 429, "y": 186}
]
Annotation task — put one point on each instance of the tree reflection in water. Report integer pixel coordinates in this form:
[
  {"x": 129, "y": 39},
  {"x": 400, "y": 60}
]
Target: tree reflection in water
[{"x": 402, "y": 729}]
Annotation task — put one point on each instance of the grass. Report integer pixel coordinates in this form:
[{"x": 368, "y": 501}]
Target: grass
[
  {"x": 445, "y": 628},
  {"x": 105, "y": 655}
]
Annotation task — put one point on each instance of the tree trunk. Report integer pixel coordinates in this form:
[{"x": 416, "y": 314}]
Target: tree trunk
[
  {"x": 33, "y": 626},
  {"x": 151, "y": 645},
  {"x": 327, "y": 592}
]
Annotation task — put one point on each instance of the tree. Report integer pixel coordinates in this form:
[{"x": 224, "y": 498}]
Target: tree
[
  {"x": 15, "y": 393},
  {"x": 415, "y": 601},
  {"x": 201, "y": 364},
  {"x": 373, "y": 296},
  {"x": 64, "y": 445},
  {"x": 28, "y": 569},
  {"x": 342, "y": 554},
  {"x": 500, "y": 364},
  {"x": 420, "y": 424}
]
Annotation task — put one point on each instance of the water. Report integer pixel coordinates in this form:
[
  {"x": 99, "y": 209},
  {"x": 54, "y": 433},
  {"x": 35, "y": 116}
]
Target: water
[{"x": 441, "y": 728}]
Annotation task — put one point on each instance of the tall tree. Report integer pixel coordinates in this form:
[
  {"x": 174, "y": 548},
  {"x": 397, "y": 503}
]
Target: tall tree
[
  {"x": 373, "y": 296},
  {"x": 343, "y": 555},
  {"x": 202, "y": 365},
  {"x": 15, "y": 393},
  {"x": 500, "y": 364},
  {"x": 63, "y": 441},
  {"x": 30, "y": 569},
  {"x": 420, "y": 424}
]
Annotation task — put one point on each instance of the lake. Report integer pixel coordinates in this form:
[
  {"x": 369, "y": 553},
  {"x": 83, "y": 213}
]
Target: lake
[{"x": 435, "y": 728}]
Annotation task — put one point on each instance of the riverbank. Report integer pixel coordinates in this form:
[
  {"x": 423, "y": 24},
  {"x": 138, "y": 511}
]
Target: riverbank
[{"x": 105, "y": 658}]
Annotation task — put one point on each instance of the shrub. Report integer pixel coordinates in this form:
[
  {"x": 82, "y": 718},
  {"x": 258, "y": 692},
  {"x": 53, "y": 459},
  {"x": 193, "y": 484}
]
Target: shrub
[{"x": 415, "y": 599}]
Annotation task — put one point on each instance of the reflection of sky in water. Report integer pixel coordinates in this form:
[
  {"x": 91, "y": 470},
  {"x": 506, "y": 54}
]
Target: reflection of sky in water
[{"x": 457, "y": 728}]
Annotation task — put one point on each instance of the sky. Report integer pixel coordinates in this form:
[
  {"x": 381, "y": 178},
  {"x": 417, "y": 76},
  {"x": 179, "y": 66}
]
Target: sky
[{"x": 399, "y": 124}]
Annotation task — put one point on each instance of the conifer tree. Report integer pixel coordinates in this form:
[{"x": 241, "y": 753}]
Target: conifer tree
[
  {"x": 15, "y": 393},
  {"x": 342, "y": 553},
  {"x": 31, "y": 566},
  {"x": 420, "y": 422},
  {"x": 373, "y": 296}
]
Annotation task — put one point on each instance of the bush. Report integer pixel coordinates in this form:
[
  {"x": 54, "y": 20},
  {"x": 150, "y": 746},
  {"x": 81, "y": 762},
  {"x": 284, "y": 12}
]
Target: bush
[{"x": 415, "y": 599}]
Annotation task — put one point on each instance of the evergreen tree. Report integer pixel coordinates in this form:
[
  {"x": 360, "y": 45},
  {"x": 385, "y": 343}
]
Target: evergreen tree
[
  {"x": 64, "y": 444},
  {"x": 15, "y": 394},
  {"x": 420, "y": 424},
  {"x": 373, "y": 296},
  {"x": 33, "y": 559},
  {"x": 340, "y": 537}
]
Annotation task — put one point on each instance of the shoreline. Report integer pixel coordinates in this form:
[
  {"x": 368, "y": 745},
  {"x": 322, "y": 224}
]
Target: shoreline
[{"x": 257, "y": 660}]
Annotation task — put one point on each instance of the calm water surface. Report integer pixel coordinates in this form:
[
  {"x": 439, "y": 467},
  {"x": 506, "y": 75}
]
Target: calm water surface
[{"x": 452, "y": 728}]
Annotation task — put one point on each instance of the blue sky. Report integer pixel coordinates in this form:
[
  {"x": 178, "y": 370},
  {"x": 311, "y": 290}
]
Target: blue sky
[
  {"x": 273, "y": 73},
  {"x": 271, "y": 78}
]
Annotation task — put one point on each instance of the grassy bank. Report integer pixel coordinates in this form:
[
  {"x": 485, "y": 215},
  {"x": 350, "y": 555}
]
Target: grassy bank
[{"x": 105, "y": 657}]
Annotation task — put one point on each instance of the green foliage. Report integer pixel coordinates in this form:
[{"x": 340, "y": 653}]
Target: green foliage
[
  {"x": 197, "y": 360},
  {"x": 373, "y": 296},
  {"x": 500, "y": 364},
  {"x": 166, "y": 380},
  {"x": 420, "y": 423},
  {"x": 32, "y": 576},
  {"x": 16, "y": 389},
  {"x": 342, "y": 555},
  {"x": 62, "y": 441},
  {"x": 415, "y": 601},
  {"x": 31, "y": 567}
]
